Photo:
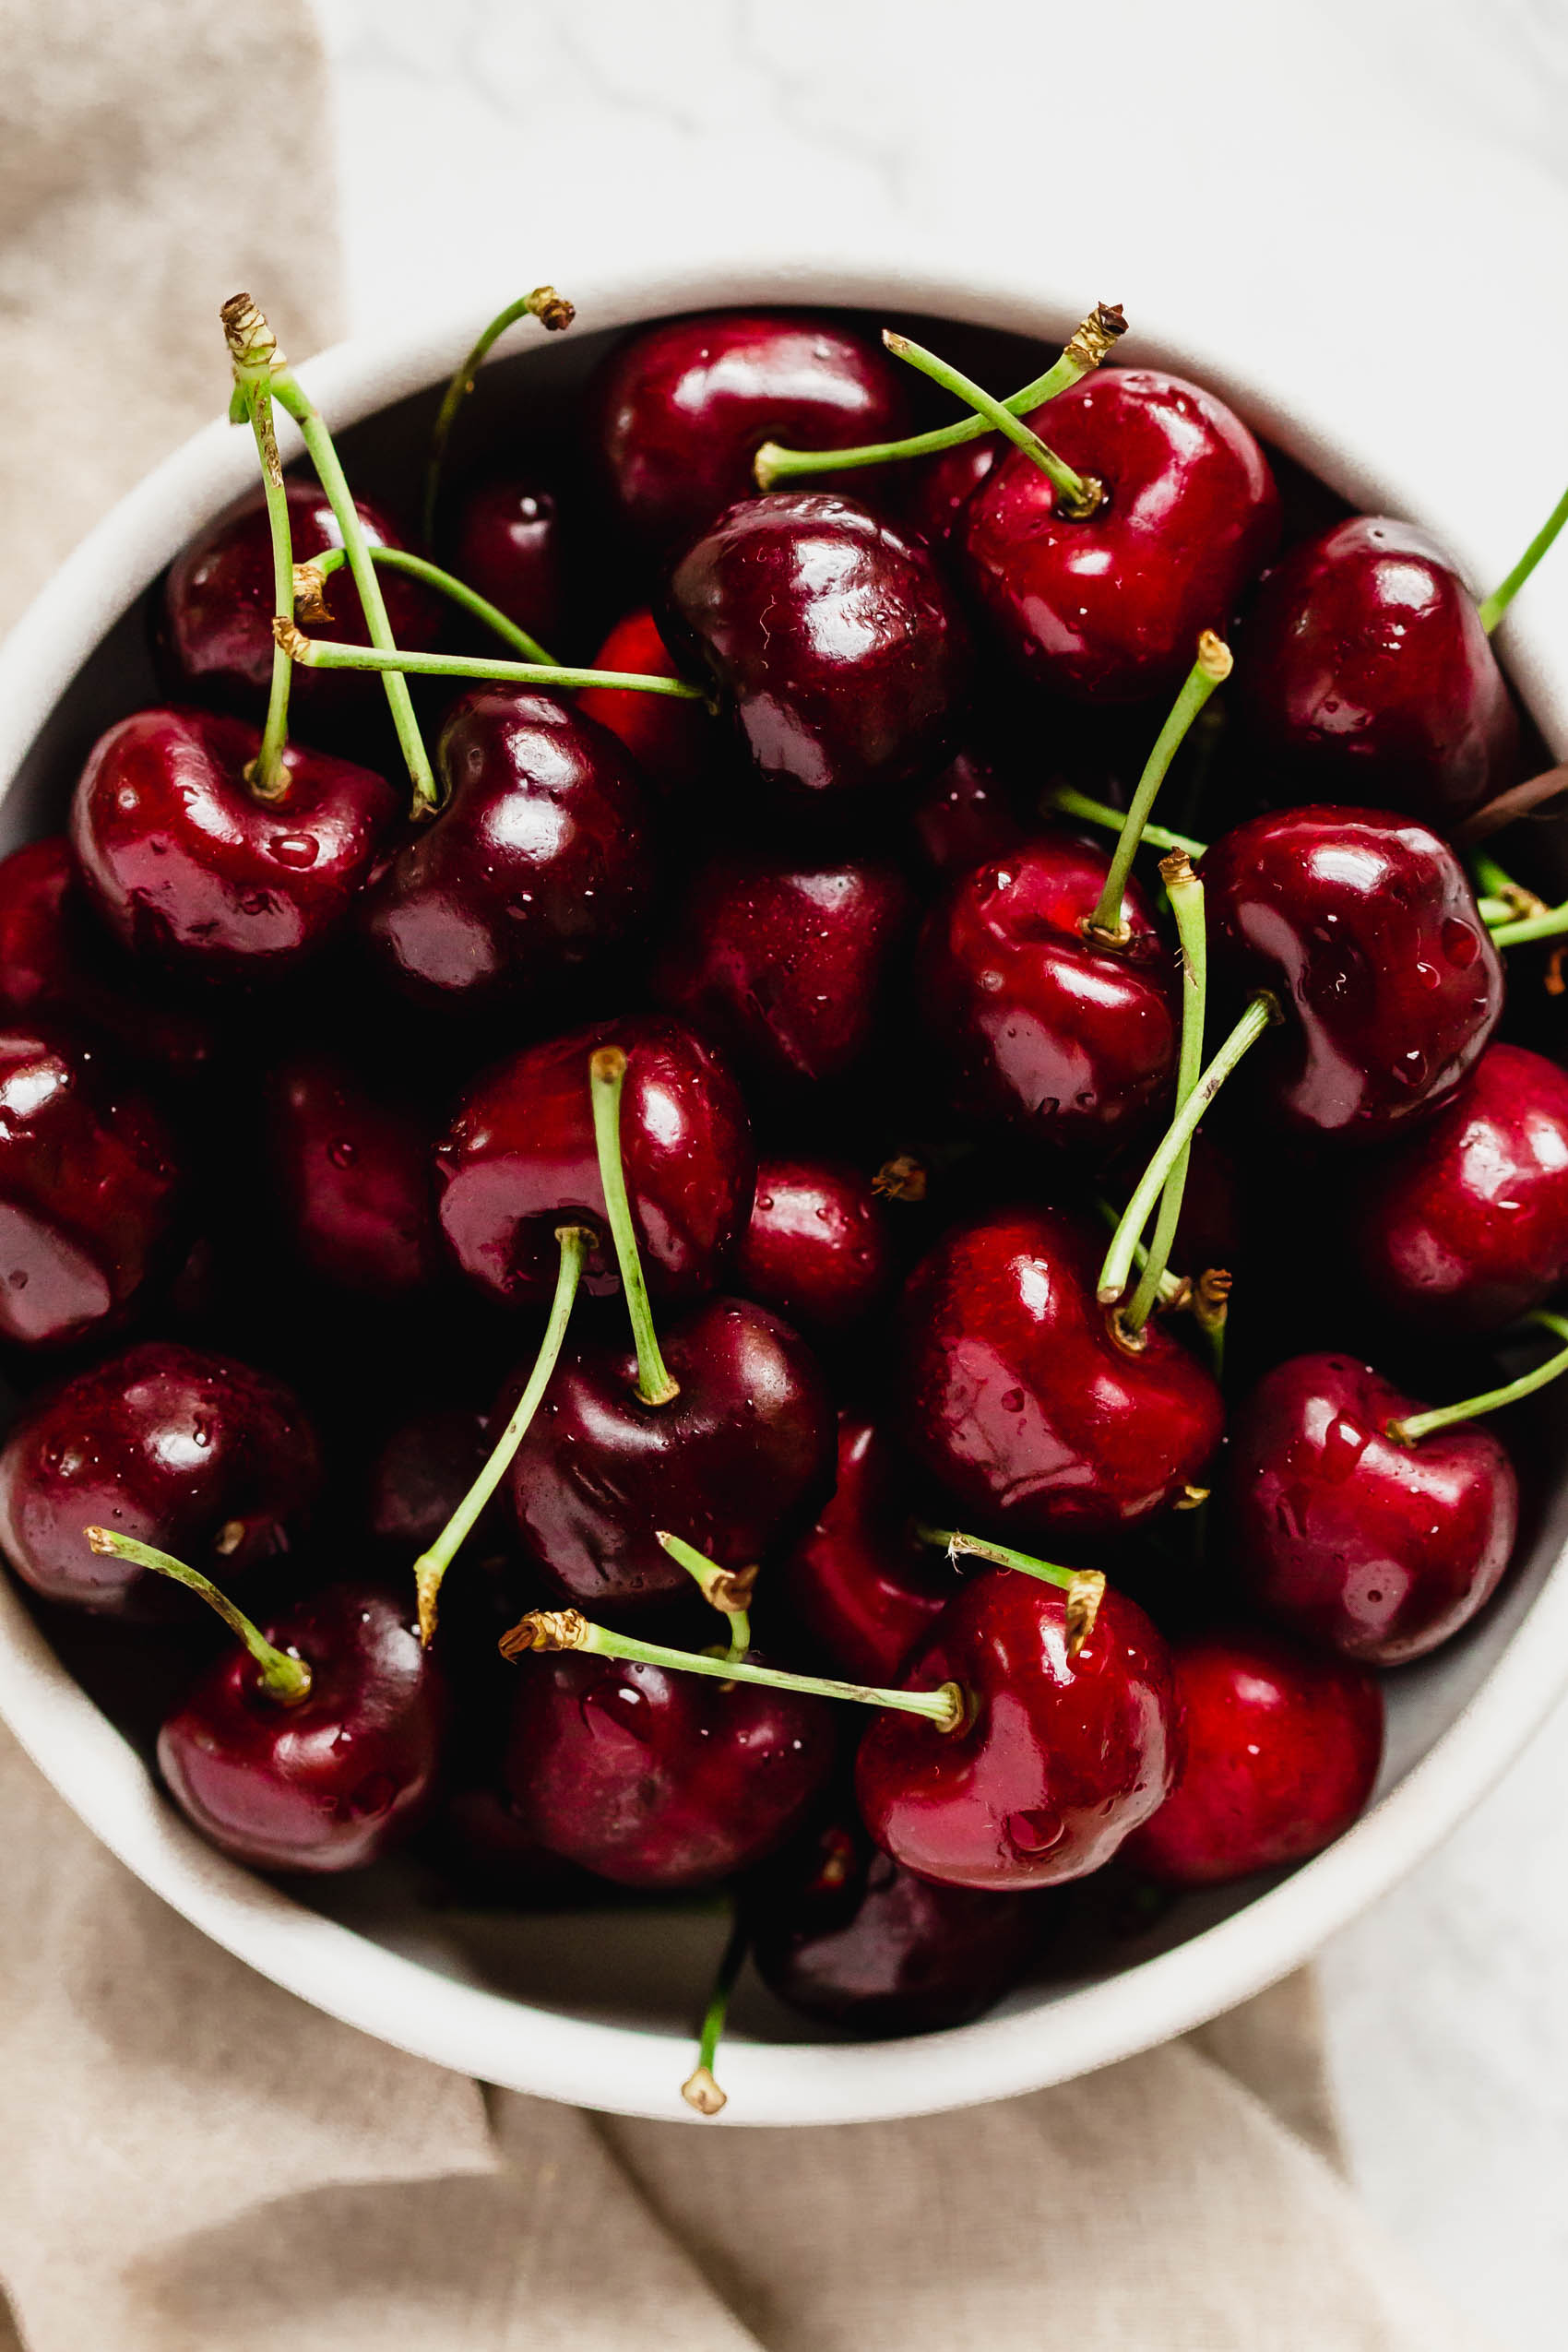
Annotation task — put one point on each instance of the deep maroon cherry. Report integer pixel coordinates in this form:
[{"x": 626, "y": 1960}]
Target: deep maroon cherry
[
  {"x": 1365, "y": 926},
  {"x": 817, "y": 1247},
  {"x": 1024, "y": 1403},
  {"x": 479, "y": 1841},
  {"x": 1367, "y": 677},
  {"x": 1463, "y": 1226},
  {"x": 520, "y": 1157},
  {"x": 786, "y": 964},
  {"x": 352, "y": 1181},
  {"x": 938, "y": 489},
  {"x": 1379, "y": 1547},
  {"x": 685, "y": 406},
  {"x": 673, "y": 743},
  {"x": 861, "y": 1583},
  {"x": 327, "y": 1782},
  {"x": 834, "y": 643},
  {"x": 741, "y": 1457},
  {"x": 507, "y": 545},
  {"x": 1072, "y": 1041},
  {"x": 843, "y": 1934},
  {"x": 421, "y": 1474},
  {"x": 193, "y": 1453},
  {"x": 965, "y": 814},
  {"x": 539, "y": 865},
  {"x": 1059, "y": 1758},
  {"x": 1108, "y": 609},
  {"x": 657, "y": 1779},
  {"x": 1282, "y": 1750},
  {"x": 189, "y": 868}
]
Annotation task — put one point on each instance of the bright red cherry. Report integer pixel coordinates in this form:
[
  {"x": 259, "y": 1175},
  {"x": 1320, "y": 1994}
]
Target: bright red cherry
[
  {"x": 674, "y": 743},
  {"x": 1058, "y": 1757},
  {"x": 1352, "y": 1536},
  {"x": 507, "y": 545},
  {"x": 861, "y": 1584},
  {"x": 1282, "y": 1752},
  {"x": 965, "y": 814},
  {"x": 1367, "y": 677},
  {"x": 353, "y": 1184},
  {"x": 1108, "y": 609},
  {"x": 190, "y": 869},
  {"x": 817, "y": 1247}
]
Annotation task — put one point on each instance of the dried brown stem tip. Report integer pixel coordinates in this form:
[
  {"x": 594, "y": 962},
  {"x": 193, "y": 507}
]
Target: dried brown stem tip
[
  {"x": 1084, "y": 1595},
  {"x": 902, "y": 1178},
  {"x": 1211, "y": 1298},
  {"x": 1104, "y": 328},
  {"x": 252, "y": 343},
  {"x": 1214, "y": 657},
  {"x": 554, "y": 312},
  {"x": 730, "y": 1589},
  {"x": 294, "y": 642},
  {"x": 700, "y": 2090},
  {"x": 546, "y": 1628},
  {"x": 310, "y": 593}
]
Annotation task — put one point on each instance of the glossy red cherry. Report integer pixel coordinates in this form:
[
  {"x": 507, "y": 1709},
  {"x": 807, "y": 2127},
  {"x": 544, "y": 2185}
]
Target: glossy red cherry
[
  {"x": 1351, "y": 1537},
  {"x": 1282, "y": 1750},
  {"x": 188, "y": 868},
  {"x": 90, "y": 1183},
  {"x": 938, "y": 489},
  {"x": 519, "y": 1157},
  {"x": 787, "y": 966},
  {"x": 353, "y": 1185},
  {"x": 841, "y": 1932},
  {"x": 1464, "y": 1226},
  {"x": 192, "y": 1453},
  {"x": 965, "y": 814},
  {"x": 861, "y": 1584},
  {"x": 673, "y": 743},
  {"x": 834, "y": 643},
  {"x": 330, "y": 1781},
  {"x": 1021, "y": 1401},
  {"x": 658, "y": 1780},
  {"x": 1367, "y": 677},
  {"x": 1072, "y": 1043},
  {"x": 741, "y": 1457},
  {"x": 1365, "y": 928},
  {"x": 817, "y": 1247},
  {"x": 539, "y": 866},
  {"x": 1057, "y": 1759},
  {"x": 1108, "y": 609},
  {"x": 507, "y": 545},
  {"x": 684, "y": 407}
]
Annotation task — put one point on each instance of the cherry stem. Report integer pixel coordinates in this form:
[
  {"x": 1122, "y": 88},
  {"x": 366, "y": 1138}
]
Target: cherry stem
[
  {"x": 1211, "y": 668},
  {"x": 1550, "y": 924},
  {"x": 283, "y": 1678},
  {"x": 1175, "y": 1290},
  {"x": 1501, "y": 899},
  {"x": 1492, "y": 608},
  {"x": 727, "y": 1589},
  {"x": 1185, "y": 893},
  {"x": 699, "y": 2089},
  {"x": 1066, "y": 801},
  {"x": 311, "y": 578},
  {"x": 432, "y": 1565},
  {"x": 1083, "y": 353},
  {"x": 1415, "y": 1426},
  {"x": 325, "y": 653},
  {"x": 566, "y": 1629},
  {"x": 1518, "y": 800},
  {"x": 1261, "y": 1013},
  {"x": 607, "y": 1075},
  {"x": 554, "y": 312},
  {"x": 251, "y": 357},
  {"x": 1085, "y": 1588},
  {"x": 1079, "y": 493}
]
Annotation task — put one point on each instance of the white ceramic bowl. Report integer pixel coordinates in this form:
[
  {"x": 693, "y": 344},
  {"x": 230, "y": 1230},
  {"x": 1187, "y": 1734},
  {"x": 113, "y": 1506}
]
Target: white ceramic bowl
[{"x": 598, "y": 2011}]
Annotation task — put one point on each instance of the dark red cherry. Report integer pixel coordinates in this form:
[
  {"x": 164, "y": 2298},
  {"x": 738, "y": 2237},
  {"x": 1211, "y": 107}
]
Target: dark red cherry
[
  {"x": 685, "y": 406},
  {"x": 507, "y": 545},
  {"x": 1110, "y": 609},
  {"x": 539, "y": 866},
  {"x": 480, "y": 1842},
  {"x": 861, "y": 1584},
  {"x": 89, "y": 1182},
  {"x": 817, "y": 1247},
  {"x": 786, "y": 966},
  {"x": 352, "y": 1179},
  {"x": 332, "y": 1780},
  {"x": 519, "y": 1158},
  {"x": 421, "y": 1474},
  {"x": 1365, "y": 927},
  {"x": 1463, "y": 1226},
  {"x": 1023, "y": 1403},
  {"x": 1366, "y": 676},
  {"x": 189, "y": 869},
  {"x": 659, "y": 1779},
  {"x": 1282, "y": 1749},
  {"x": 1071, "y": 1042},
  {"x": 219, "y": 601},
  {"x": 1351, "y": 1537},
  {"x": 938, "y": 489},
  {"x": 834, "y": 643},
  {"x": 673, "y": 743},
  {"x": 740, "y": 1458},
  {"x": 1058, "y": 1757},
  {"x": 966, "y": 816},
  {"x": 841, "y": 1932},
  {"x": 192, "y": 1453}
]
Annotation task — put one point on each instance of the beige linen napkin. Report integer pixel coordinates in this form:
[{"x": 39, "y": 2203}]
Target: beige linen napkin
[{"x": 193, "y": 2161}]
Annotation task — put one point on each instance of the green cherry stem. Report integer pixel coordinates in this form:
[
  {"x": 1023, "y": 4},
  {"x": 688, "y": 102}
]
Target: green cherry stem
[
  {"x": 1185, "y": 893},
  {"x": 283, "y": 1678},
  {"x": 1415, "y": 1426},
  {"x": 1079, "y": 493},
  {"x": 607, "y": 1075},
  {"x": 1550, "y": 924},
  {"x": 1492, "y": 608},
  {"x": 250, "y": 349},
  {"x": 566, "y": 1629},
  {"x": 699, "y": 2089},
  {"x": 1084, "y": 352},
  {"x": 1062, "y": 799},
  {"x": 727, "y": 1589},
  {"x": 553, "y": 313},
  {"x": 1085, "y": 1588},
  {"x": 325, "y": 653},
  {"x": 1261, "y": 1013},
  {"x": 1211, "y": 668},
  {"x": 310, "y": 581}
]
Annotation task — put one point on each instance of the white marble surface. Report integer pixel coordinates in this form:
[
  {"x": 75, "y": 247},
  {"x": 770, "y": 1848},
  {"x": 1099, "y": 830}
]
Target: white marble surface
[{"x": 1367, "y": 183}]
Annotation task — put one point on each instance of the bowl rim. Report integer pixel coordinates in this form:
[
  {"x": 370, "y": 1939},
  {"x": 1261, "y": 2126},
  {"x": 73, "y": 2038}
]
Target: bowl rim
[{"x": 490, "y": 2035}]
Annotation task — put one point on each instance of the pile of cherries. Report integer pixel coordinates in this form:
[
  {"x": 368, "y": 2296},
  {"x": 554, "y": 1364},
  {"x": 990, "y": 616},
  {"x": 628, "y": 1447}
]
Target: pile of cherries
[{"x": 740, "y": 1135}]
